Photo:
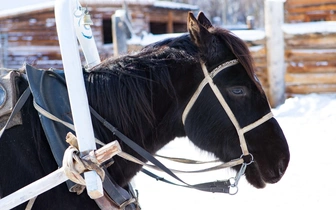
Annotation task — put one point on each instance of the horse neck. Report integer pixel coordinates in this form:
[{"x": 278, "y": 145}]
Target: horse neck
[{"x": 149, "y": 122}]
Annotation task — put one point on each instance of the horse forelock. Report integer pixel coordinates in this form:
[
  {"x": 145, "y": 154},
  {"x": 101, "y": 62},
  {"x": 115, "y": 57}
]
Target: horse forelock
[{"x": 241, "y": 52}]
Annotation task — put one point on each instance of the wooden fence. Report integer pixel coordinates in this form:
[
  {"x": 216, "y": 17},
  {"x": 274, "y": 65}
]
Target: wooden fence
[
  {"x": 310, "y": 10},
  {"x": 310, "y": 57}
]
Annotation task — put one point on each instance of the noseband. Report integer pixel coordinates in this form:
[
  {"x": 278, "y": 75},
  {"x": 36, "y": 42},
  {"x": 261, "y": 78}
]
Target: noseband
[{"x": 208, "y": 79}]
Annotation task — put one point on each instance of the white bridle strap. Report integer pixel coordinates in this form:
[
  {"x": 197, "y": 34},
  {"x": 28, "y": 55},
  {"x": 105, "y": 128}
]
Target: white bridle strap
[{"x": 208, "y": 80}]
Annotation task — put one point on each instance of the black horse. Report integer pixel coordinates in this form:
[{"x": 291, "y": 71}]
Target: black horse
[{"x": 144, "y": 96}]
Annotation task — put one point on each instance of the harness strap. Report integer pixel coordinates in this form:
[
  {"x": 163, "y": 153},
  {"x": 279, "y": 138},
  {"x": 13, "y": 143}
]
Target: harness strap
[
  {"x": 117, "y": 194},
  {"x": 156, "y": 162},
  {"x": 53, "y": 117},
  {"x": 217, "y": 167},
  {"x": 217, "y": 186},
  {"x": 19, "y": 104},
  {"x": 186, "y": 161}
]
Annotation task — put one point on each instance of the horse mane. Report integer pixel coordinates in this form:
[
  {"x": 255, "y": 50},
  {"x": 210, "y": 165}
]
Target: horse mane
[
  {"x": 241, "y": 52},
  {"x": 128, "y": 84}
]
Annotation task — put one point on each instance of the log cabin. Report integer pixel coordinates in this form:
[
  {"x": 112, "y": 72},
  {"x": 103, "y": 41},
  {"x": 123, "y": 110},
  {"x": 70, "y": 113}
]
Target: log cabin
[{"x": 28, "y": 34}]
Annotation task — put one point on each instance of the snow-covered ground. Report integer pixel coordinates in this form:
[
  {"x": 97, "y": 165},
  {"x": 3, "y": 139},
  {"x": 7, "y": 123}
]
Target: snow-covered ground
[{"x": 309, "y": 123}]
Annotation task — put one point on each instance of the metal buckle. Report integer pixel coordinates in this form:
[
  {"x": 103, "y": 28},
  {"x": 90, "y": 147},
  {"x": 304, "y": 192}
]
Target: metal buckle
[{"x": 235, "y": 180}]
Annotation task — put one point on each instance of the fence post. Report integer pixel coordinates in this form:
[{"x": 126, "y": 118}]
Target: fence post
[
  {"x": 122, "y": 31},
  {"x": 274, "y": 19}
]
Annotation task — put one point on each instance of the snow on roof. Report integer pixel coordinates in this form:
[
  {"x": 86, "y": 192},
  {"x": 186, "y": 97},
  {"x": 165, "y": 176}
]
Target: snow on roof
[
  {"x": 175, "y": 5},
  {"x": 26, "y": 9},
  {"x": 16, "y": 9},
  {"x": 310, "y": 27}
]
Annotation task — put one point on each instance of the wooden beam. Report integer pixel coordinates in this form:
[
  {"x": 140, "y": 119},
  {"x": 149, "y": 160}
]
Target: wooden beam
[
  {"x": 311, "y": 67},
  {"x": 274, "y": 18},
  {"x": 311, "y": 78},
  {"x": 170, "y": 22},
  {"x": 312, "y": 41},
  {"x": 311, "y": 55},
  {"x": 311, "y": 88}
]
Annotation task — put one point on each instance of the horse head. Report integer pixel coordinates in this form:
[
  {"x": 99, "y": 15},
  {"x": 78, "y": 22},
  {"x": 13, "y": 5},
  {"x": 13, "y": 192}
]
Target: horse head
[{"x": 209, "y": 125}]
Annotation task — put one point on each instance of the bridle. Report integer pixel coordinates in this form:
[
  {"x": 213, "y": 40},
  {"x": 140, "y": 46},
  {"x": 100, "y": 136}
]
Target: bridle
[{"x": 208, "y": 79}]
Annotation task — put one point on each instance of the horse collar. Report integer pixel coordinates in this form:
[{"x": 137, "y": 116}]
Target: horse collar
[{"x": 208, "y": 79}]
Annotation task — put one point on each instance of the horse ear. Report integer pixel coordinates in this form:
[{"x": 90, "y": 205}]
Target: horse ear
[
  {"x": 198, "y": 33},
  {"x": 204, "y": 20}
]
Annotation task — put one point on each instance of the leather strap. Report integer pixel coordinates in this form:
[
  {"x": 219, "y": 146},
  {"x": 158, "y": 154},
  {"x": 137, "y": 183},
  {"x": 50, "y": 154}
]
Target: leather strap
[
  {"x": 217, "y": 186},
  {"x": 225, "y": 185},
  {"x": 19, "y": 104}
]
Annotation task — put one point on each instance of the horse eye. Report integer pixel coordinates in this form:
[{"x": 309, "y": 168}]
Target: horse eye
[{"x": 237, "y": 91}]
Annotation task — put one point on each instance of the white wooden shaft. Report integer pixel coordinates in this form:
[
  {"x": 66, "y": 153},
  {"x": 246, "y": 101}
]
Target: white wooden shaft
[
  {"x": 30, "y": 191},
  {"x": 64, "y": 10},
  {"x": 86, "y": 39}
]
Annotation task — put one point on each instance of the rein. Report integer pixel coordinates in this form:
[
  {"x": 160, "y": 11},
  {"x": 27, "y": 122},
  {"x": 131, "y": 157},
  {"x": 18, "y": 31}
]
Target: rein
[{"x": 208, "y": 79}]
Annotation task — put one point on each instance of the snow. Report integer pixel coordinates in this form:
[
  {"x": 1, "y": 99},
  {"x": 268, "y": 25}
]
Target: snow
[
  {"x": 250, "y": 35},
  {"x": 147, "y": 39},
  {"x": 322, "y": 27},
  {"x": 174, "y": 5},
  {"x": 308, "y": 122}
]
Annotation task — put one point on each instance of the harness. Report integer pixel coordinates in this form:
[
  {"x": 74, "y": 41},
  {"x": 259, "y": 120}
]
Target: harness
[{"x": 122, "y": 197}]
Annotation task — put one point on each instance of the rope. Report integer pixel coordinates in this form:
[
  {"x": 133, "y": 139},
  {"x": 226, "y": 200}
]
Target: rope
[{"x": 73, "y": 165}]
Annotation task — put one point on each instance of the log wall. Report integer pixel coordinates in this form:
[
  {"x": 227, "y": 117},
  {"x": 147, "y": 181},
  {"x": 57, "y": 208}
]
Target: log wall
[
  {"x": 310, "y": 10},
  {"x": 32, "y": 37},
  {"x": 310, "y": 59}
]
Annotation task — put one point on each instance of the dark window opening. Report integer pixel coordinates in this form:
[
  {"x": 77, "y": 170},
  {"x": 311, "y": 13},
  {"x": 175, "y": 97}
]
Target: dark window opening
[
  {"x": 180, "y": 27},
  {"x": 107, "y": 31},
  {"x": 158, "y": 28}
]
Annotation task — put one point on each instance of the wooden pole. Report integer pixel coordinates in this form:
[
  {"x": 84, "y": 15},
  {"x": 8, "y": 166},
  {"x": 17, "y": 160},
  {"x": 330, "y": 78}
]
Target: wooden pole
[
  {"x": 54, "y": 179},
  {"x": 274, "y": 19},
  {"x": 64, "y": 11},
  {"x": 170, "y": 23},
  {"x": 119, "y": 33}
]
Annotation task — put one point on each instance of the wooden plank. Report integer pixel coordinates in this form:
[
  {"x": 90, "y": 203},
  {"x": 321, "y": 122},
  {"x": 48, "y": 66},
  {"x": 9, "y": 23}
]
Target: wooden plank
[
  {"x": 312, "y": 8},
  {"x": 258, "y": 51},
  {"x": 298, "y": 3},
  {"x": 312, "y": 41},
  {"x": 310, "y": 55},
  {"x": 311, "y": 88},
  {"x": 310, "y": 78},
  {"x": 170, "y": 27},
  {"x": 294, "y": 18},
  {"x": 311, "y": 67}
]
